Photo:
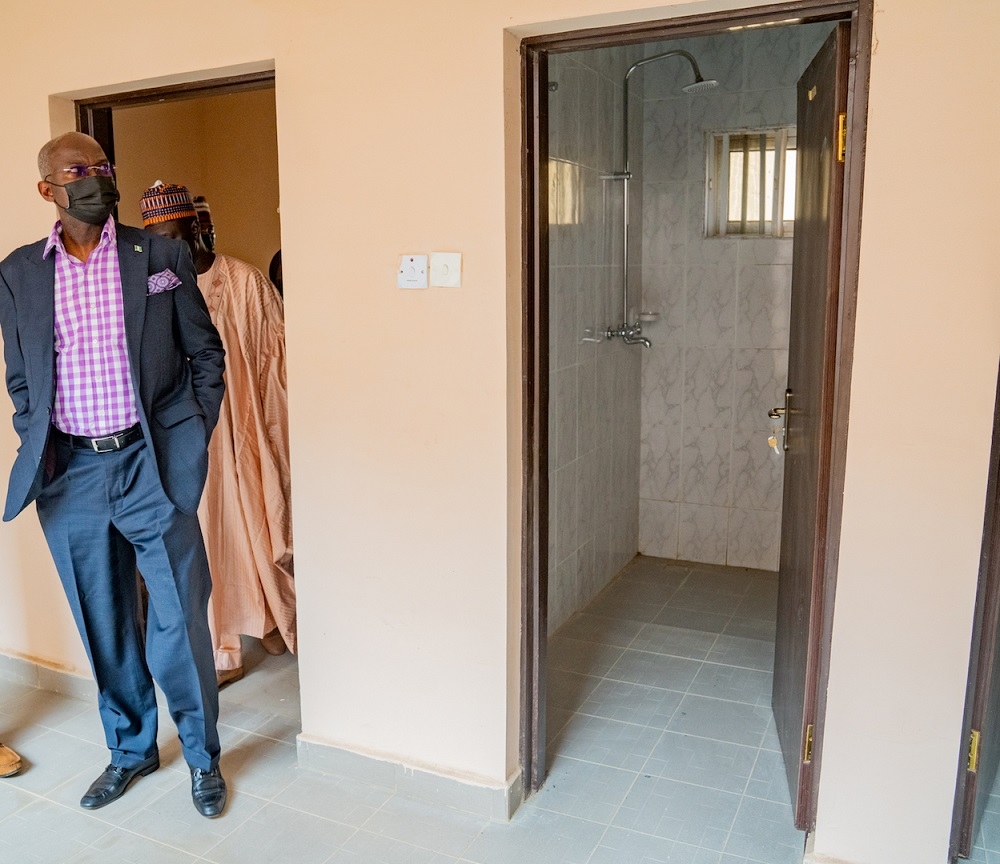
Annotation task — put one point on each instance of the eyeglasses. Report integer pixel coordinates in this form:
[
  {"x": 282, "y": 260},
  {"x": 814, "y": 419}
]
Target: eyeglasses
[{"x": 78, "y": 172}]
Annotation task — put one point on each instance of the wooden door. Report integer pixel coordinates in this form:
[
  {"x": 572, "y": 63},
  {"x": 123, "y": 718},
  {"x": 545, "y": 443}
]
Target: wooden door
[
  {"x": 979, "y": 756},
  {"x": 808, "y": 419}
]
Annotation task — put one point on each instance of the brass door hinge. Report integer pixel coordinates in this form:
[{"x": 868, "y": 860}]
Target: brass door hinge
[
  {"x": 841, "y": 136},
  {"x": 807, "y": 750},
  {"x": 974, "y": 751}
]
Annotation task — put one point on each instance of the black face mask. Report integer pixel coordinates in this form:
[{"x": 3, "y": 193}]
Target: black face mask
[{"x": 91, "y": 199}]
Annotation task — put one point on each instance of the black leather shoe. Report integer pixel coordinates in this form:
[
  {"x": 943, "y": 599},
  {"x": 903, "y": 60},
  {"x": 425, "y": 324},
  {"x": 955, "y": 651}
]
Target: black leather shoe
[
  {"x": 208, "y": 791},
  {"x": 113, "y": 782}
]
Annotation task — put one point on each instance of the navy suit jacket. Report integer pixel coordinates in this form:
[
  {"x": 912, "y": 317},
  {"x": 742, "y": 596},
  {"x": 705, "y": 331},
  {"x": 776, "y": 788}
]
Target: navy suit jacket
[{"x": 175, "y": 355}]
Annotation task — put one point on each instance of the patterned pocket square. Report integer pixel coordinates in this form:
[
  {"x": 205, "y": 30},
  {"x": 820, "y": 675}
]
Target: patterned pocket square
[{"x": 165, "y": 280}]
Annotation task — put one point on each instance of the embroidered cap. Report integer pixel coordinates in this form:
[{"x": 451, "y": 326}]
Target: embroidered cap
[
  {"x": 204, "y": 214},
  {"x": 163, "y": 202}
]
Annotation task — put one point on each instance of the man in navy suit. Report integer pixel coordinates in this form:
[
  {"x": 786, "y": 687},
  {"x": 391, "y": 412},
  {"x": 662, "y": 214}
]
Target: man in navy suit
[{"x": 115, "y": 371}]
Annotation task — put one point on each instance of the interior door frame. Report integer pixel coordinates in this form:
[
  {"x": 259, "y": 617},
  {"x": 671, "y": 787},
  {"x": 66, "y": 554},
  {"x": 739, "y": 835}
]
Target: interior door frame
[
  {"x": 93, "y": 114},
  {"x": 535, "y": 327},
  {"x": 982, "y": 656}
]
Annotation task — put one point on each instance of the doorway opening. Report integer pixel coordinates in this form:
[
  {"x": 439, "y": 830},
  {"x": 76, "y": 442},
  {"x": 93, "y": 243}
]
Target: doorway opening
[
  {"x": 663, "y": 449},
  {"x": 218, "y": 138}
]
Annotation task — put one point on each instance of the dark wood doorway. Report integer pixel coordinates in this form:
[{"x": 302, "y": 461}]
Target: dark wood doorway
[
  {"x": 803, "y": 605},
  {"x": 535, "y": 324},
  {"x": 979, "y": 756}
]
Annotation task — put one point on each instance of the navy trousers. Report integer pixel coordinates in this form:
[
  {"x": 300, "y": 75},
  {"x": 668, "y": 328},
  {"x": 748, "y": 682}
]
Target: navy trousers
[{"x": 103, "y": 515}]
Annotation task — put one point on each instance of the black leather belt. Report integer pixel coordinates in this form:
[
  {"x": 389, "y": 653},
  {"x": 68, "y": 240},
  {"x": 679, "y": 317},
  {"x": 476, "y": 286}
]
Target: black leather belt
[{"x": 107, "y": 444}]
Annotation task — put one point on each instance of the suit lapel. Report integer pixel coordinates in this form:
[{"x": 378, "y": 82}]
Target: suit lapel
[
  {"x": 38, "y": 302},
  {"x": 133, "y": 264}
]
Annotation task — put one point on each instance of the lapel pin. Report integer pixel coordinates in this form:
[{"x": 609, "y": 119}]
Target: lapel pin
[{"x": 137, "y": 248}]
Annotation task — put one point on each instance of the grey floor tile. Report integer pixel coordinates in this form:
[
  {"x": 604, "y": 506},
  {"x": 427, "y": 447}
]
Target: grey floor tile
[
  {"x": 45, "y": 708},
  {"x": 556, "y": 719},
  {"x": 977, "y": 855},
  {"x": 172, "y": 820},
  {"x": 750, "y": 628},
  {"x": 655, "y": 670},
  {"x": 585, "y": 658},
  {"x": 678, "y": 811},
  {"x": 702, "y": 762},
  {"x": 10, "y": 691},
  {"x": 425, "y": 825},
  {"x": 348, "y": 801},
  {"x": 710, "y": 622},
  {"x": 624, "y": 609},
  {"x": 536, "y": 836},
  {"x": 51, "y": 758},
  {"x": 990, "y": 831},
  {"x": 619, "y": 846},
  {"x": 734, "y": 583},
  {"x": 733, "y": 683},
  {"x": 676, "y": 641},
  {"x": 761, "y": 606},
  {"x": 259, "y": 766},
  {"x": 740, "y": 651},
  {"x": 606, "y": 742},
  {"x": 13, "y": 799},
  {"x": 47, "y": 833},
  {"x": 646, "y": 568},
  {"x": 764, "y": 831},
  {"x": 736, "y": 722},
  {"x": 616, "y": 632},
  {"x": 632, "y": 703},
  {"x": 121, "y": 847},
  {"x": 701, "y": 600},
  {"x": 649, "y": 592},
  {"x": 771, "y": 741},
  {"x": 280, "y": 835},
  {"x": 143, "y": 793},
  {"x": 584, "y": 790},
  {"x": 769, "y": 780},
  {"x": 366, "y": 848},
  {"x": 569, "y": 689}
]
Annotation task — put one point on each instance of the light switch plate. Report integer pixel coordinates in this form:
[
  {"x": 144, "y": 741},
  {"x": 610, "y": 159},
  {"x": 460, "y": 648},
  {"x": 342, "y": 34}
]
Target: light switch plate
[
  {"x": 412, "y": 272},
  {"x": 446, "y": 269}
]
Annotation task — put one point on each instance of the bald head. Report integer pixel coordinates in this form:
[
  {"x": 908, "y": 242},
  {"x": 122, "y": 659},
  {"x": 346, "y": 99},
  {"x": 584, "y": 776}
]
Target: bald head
[{"x": 69, "y": 146}]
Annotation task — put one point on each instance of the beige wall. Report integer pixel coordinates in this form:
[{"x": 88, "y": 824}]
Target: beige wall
[
  {"x": 222, "y": 147},
  {"x": 404, "y": 405}
]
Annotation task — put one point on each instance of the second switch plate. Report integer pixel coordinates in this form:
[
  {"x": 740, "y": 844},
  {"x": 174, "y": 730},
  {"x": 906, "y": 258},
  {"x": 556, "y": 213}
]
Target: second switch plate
[{"x": 446, "y": 269}]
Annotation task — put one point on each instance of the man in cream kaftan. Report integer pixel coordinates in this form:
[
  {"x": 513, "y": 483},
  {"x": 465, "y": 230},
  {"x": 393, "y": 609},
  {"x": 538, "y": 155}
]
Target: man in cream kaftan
[{"x": 245, "y": 511}]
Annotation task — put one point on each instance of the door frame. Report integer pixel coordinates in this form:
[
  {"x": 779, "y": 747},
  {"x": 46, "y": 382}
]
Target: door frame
[
  {"x": 535, "y": 327},
  {"x": 982, "y": 661},
  {"x": 93, "y": 114}
]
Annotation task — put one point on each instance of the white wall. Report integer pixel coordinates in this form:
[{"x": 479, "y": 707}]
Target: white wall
[
  {"x": 928, "y": 332},
  {"x": 404, "y": 406}
]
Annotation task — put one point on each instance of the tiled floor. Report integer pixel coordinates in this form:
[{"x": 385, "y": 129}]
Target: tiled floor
[
  {"x": 660, "y": 724},
  {"x": 987, "y": 846},
  {"x": 662, "y": 752}
]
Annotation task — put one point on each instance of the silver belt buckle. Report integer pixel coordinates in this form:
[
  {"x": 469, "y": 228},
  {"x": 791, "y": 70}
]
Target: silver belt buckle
[{"x": 115, "y": 443}]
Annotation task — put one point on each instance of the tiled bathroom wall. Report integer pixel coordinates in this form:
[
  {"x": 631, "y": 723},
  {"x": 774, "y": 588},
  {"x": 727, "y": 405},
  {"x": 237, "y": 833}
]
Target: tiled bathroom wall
[
  {"x": 710, "y": 487},
  {"x": 594, "y": 383},
  {"x": 662, "y": 450}
]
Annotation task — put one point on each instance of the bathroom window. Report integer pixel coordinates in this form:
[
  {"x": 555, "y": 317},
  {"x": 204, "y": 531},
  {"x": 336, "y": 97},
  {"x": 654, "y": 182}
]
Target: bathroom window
[
  {"x": 751, "y": 182},
  {"x": 564, "y": 192}
]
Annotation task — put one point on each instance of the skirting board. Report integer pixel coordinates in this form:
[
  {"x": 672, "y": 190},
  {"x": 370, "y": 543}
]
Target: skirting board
[
  {"x": 57, "y": 680},
  {"x": 496, "y": 804}
]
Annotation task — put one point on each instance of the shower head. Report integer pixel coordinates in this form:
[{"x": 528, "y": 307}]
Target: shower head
[{"x": 701, "y": 85}]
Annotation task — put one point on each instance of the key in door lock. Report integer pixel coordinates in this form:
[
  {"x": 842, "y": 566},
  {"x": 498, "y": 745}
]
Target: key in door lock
[{"x": 780, "y": 414}]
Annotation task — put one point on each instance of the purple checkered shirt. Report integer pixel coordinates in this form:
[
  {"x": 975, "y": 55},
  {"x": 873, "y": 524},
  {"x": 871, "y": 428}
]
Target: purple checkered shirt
[{"x": 94, "y": 395}]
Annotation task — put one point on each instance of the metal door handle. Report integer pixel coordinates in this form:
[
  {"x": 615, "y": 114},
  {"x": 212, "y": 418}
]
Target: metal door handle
[{"x": 780, "y": 413}]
